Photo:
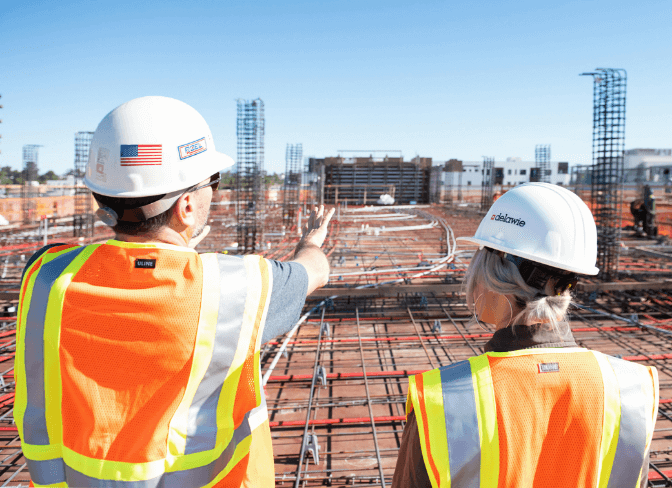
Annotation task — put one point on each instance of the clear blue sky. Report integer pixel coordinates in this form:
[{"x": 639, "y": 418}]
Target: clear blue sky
[{"x": 442, "y": 79}]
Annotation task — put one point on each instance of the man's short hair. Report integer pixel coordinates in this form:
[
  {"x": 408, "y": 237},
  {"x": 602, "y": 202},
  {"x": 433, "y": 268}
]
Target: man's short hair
[{"x": 148, "y": 226}]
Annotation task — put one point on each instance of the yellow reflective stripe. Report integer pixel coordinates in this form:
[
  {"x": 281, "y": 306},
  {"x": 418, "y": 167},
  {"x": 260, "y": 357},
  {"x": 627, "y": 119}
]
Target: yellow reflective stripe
[
  {"x": 51, "y": 485},
  {"x": 241, "y": 451},
  {"x": 113, "y": 470},
  {"x": 21, "y": 394},
  {"x": 486, "y": 412},
  {"x": 41, "y": 453},
  {"x": 611, "y": 420},
  {"x": 539, "y": 350},
  {"x": 656, "y": 387},
  {"x": 257, "y": 376},
  {"x": 269, "y": 289},
  {"x": 52, "y": 340},
  {"x": 415, "y": 401},
  {"x": 438, "y": 434},
  {"x": 409, "y": 400},
  {"x": 254, "y": 289},
  {"x": 652, "y": 375},
  {"x": 266, "y": 276},
  {"x": 225, "y": 408},
  {"x": 225, "y": 405},
  {"x": 437, "y": 451},
  {"x": 149, "y": 245},
  {"x": 153, "y": 470},
  {"x": 204, "y": 344}
]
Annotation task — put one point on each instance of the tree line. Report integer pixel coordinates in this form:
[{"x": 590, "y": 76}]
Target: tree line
[
  {"x": 229, "y": 180},
  {"x": 11, "y": 176}
]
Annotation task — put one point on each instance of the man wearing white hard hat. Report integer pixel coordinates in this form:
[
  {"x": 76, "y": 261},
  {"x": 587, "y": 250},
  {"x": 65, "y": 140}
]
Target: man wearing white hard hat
[
  {"x": 535, "y": 410},
  {"x": 137, "y": 360}
]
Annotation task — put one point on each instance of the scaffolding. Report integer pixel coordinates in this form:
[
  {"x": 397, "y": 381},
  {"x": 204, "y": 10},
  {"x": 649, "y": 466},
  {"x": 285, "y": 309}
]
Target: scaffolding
[
  {"x": 82, "y": 220},
  {"x": 487, "y": 184},
  {"x": 609, "y": 87},
  {"x": 292, "y": 186},
  {"x": 542, "y": 160},
  {"x": 29, "y": 190},
  {"x": 249, "y": 175}
]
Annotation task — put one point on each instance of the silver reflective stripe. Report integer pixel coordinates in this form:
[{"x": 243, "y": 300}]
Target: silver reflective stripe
[
  {"x": 202, "y": 422},
  {"x": 34, "y": 418},
  {"x": 459, "y": 406},
  {"x": 631, "y": 445},
  {"x": 191, "y": 478},
  {"x": 49, "y": 472}
]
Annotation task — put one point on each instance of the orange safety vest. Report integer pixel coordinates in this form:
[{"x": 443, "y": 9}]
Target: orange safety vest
[
  {"x": 547, "y": 417},
  {"x": 139, "y": 363}
]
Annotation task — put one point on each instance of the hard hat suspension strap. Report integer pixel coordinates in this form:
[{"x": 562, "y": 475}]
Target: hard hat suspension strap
[
  {"x": 138, "y": 214},
  {"x": 537, "y": 275}
]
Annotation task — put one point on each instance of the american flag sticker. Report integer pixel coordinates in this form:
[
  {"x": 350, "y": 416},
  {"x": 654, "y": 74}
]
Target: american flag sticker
[
  {"x": 192, "y": 148},
  {"x": 140, "y": 154}
]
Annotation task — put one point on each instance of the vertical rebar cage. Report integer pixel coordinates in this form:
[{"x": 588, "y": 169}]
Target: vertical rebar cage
[
  {"x": 542, "y": 160},
  {"x": 29, "y": 193},
  {"x": 606, "y": 196},
  {"x": 82, "y": 220},
  {"x": 292, "y": 186},
  {"x": 487, "y": 184},
  {"x": 249, "y": 172}
]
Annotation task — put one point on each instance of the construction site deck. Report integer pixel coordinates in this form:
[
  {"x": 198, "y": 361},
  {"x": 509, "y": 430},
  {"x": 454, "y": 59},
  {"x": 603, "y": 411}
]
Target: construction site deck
[{"x": 336, "y": 387}]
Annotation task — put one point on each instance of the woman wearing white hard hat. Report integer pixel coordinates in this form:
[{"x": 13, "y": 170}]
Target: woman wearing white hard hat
[{"x": 535, "y": 410}]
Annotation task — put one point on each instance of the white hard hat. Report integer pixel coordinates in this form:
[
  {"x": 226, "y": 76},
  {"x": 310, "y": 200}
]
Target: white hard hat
[
  {"x": 151, "y": 146},
  {"x": 544, "y": 223}
]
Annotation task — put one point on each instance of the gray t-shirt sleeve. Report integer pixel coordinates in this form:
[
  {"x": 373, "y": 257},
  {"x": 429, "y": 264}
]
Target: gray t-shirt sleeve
[{"x": 290, "y": 285}]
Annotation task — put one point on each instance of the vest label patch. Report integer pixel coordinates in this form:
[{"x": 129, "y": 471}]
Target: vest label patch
[
  {"x": 145, "y": 263},
  {"x": 549, "y": 367}
]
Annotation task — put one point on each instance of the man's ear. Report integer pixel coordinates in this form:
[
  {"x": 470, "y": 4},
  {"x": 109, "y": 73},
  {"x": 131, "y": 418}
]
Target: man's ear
[{"x": 184, "y": 212}]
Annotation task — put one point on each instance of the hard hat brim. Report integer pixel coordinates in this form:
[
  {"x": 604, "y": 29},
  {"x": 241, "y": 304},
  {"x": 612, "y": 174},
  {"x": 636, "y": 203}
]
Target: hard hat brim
[
  {"x": 538, "y": 259},
  {"x": 218, "y": 162},
  {"x": 226, "y": 161}
]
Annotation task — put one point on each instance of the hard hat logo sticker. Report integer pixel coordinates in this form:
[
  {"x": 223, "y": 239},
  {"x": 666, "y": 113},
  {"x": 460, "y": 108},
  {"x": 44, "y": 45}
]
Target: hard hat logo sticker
[
  {"x": 507, "y": 220},
  {"x": 101, "y": 161},
  {"x": 192, "y": 148}
]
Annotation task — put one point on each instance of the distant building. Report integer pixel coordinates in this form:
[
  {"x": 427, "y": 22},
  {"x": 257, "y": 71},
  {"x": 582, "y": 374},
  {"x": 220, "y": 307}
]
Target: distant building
[
  {"x": 513, "y": 171},
  {"x": 68, "y": 181},
  {"x": 362, "y": 180},
  {"x": 647, "y": 165}
]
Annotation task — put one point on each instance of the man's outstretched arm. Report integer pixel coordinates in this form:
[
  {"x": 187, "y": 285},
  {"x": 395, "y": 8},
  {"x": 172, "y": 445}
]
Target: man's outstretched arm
[{"x": 308, "y": 251}]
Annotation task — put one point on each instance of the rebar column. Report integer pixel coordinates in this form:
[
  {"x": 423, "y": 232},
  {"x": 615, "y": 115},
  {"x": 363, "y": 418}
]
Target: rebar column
[
  {"x": 542, "y": 160},
  {"x": 30, "y": 174},
  {"x": 487, "y": 183},
  {"x": 249, "y": 175},
  {"x": 292, "y": 186},
  {"x": 82, "y": 219},
  {"x": 609, "y": 87}
]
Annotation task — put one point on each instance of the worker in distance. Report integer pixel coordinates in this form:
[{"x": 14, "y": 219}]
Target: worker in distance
[
  {"x": 535, "y": 410},
  {"x": 137, "y": 360}
]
